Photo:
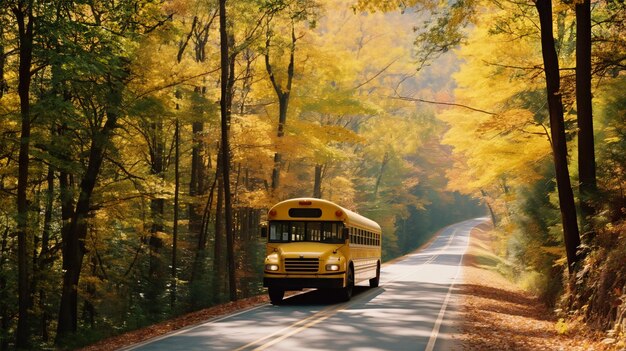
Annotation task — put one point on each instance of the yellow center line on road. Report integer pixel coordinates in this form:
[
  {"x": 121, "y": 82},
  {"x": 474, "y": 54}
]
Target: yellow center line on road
[
  {"x": 318, "y": 318},
  {"x": 300, "y": 322},
  {"x": 304, "y": 323},
  {"x": 323, "y": 314}
]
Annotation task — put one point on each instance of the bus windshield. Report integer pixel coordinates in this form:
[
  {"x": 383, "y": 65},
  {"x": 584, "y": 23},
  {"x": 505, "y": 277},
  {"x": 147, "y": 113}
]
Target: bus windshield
[{"x": 311, "y": 231}]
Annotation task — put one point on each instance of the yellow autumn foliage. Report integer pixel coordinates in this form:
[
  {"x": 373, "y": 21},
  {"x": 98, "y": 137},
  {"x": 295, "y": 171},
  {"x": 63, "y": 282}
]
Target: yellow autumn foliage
[{"x": 506, "y": 138}]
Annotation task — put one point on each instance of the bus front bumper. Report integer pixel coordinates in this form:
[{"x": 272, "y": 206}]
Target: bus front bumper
[{"x": 301, "y": 283}]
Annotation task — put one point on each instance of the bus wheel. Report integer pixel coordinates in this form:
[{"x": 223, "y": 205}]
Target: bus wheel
[
  {"x": 276, "y": 295},
  {"x": 346, "y": 292},
  {"x": 375, "y": 281}
]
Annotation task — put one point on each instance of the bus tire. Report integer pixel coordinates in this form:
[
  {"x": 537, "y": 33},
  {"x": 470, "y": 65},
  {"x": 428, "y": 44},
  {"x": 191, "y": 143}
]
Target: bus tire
[
  {"x": 375, "y": 281},
  {"x": 345, "y": 293},
  {"x": 276, "y": 295}
]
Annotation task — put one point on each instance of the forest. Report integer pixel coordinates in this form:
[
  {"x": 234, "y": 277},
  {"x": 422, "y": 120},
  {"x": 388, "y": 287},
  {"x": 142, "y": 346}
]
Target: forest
[{"x": 142, "y": 142}]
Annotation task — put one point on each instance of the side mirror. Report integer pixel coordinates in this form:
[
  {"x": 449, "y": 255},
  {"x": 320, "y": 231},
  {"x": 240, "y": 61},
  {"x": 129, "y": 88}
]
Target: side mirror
[
  {"x": 263, "y": 232},
  {"x": 345, "y": 232}
]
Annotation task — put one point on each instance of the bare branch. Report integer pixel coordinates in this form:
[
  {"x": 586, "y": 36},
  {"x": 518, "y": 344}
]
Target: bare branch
[
  {"x": 377, "y": 74},
  {"x": 183, "y": 44},
  {"x": 406, "y": 98}
]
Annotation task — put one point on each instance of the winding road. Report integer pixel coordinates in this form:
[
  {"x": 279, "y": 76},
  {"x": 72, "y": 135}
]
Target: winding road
[{"x": 412, "y": 309}]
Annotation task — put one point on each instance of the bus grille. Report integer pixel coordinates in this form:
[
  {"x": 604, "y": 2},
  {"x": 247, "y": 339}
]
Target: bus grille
[{"x": 302, "y": 264}]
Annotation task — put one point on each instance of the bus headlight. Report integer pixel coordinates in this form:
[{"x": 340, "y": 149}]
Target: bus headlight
[
  {"x": 332, "y": 267},
  {"x": 271, "y": 267}
]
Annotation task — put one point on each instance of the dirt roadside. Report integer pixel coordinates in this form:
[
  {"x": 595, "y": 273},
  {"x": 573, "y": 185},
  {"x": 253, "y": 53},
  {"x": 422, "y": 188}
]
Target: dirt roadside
[{"x": 498, "y": 315}]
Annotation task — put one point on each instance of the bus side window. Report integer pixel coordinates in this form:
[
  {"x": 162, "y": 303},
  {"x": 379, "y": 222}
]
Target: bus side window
[
  {"x": 335, "y": 232},
  {"x": 329, "y": 232}
]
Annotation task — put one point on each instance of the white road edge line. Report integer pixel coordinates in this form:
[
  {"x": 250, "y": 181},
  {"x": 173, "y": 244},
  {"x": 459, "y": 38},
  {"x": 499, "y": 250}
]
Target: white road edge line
[
  {"x": 188, "y": 328},
  {"x": 198, "y": 325},
  {"x": 435, "y": 332}
]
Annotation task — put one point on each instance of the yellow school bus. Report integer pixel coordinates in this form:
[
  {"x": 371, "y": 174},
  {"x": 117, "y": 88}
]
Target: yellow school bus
[{"x": 314, "y": 243}]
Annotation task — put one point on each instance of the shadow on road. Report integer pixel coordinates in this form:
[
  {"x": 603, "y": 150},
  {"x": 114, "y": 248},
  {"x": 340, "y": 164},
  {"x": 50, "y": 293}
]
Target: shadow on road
[{"x": 323, "y": 297}]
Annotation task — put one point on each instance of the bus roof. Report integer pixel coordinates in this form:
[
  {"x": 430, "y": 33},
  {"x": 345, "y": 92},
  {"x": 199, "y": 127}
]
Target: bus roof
[{"x": 349, "y": 217}]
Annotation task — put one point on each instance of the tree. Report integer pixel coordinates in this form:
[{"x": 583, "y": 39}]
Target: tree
[
  {"x": 76, "y": 230},
  {"x": 557, "y": 131},
  {"x": 23, "y": 11},
  {"x": 446, "y": 33},
  {"x": 225, "y": 113},
  {"x": 100, "y": 96},
  {"x": 586, "y": 149},
  {"x": 283, "y": 98},
  {"x": 174, "y": 265},
  {"x": 296, "y": 12}
]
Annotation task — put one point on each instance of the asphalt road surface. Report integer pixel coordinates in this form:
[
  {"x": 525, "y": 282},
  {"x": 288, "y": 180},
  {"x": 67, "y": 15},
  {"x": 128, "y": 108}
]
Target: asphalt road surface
[{"x": 412, "y": 309}]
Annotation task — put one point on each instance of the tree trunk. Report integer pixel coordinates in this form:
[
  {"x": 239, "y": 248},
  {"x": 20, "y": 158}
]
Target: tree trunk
[
  {"x": 379, "y": 178},
  {"x": 586, "y": 154},
  {"x": 571, "y": 235},
  {"x": 3, "y": 82},
  {"x": 283, "y": 98},
  {"x": 44, "y": 259},
  {"x": 276, "y": 171},
  {"x": 198, "y": 270},
  {"x": 218, "y": 249},
  {"x": 196, "y": 185},
  {"x": 76, "y": 231},
  {"x": 24, "y": 16},
  {"x": 283, "y": 104},
  {"x": 89, "y": 310},
  {"x": 225, "y": 106},
  {"x": 494, "y": 220},
  {"x": 317, "y": 184},
  {"x": 156, "y": 270},
  {"x": 5, "y": 319},
  {"x": 175, "y": 224}
]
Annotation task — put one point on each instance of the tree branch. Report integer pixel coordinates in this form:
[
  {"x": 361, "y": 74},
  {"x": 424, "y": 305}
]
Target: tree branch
[
  {"x": 183, "y": 45},
  {"x": 377, "y": 74},
  {"x": 406, "y": 98}
]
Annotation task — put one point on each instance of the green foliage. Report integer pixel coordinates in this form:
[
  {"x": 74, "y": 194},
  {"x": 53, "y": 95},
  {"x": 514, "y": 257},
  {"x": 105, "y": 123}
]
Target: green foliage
[
  {"x": 611, "y": 159},
  {"x": 441, "y": 209}
]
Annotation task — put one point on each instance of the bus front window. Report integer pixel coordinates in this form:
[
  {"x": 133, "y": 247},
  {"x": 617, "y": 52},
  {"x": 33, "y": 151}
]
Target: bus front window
[
  {"x": 311, "y": 231},
  {"x": 279, "y": 231},
  {"x": 298, "y": 231}
]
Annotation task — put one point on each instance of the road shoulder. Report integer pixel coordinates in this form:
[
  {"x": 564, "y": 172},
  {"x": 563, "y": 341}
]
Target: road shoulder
[{"x": 496, "y": 314}]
